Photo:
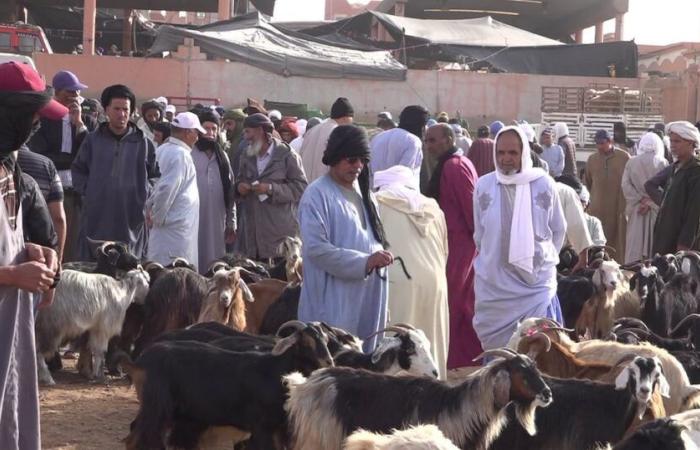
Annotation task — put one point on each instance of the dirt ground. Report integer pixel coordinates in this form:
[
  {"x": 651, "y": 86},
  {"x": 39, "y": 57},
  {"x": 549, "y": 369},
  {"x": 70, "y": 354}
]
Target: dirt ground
[{"x": 77, "y": 414}]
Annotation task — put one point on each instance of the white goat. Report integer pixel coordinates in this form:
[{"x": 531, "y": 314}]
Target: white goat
[
  {"x": 421, "y": 437},
  {"x": 86, "y": 302}
]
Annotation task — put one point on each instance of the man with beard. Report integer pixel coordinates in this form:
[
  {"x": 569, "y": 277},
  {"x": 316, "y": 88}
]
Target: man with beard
[
  {"x": 344, "y": 242},
  {"x": 519, "y": 229},
  {"x": 112, "y": 173},
  {"x": 217, "y": 210},
  {"x": 173, "y": 207},
  {"x": 24, "y": 268},
  {"x": 151, "y": 114},
  {"x": 402, "y": 146},
  {"x": 270, "y": 183}
]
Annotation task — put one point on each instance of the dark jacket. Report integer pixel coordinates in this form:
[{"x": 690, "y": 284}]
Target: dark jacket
[
  {"x": 678, "y": 222},
  {"x": 47, "y": 141},
  {"x": 36, "y": 219}
]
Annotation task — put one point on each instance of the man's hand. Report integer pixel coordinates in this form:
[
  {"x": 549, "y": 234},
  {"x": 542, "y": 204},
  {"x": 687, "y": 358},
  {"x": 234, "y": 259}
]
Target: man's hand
[
  {"x": 44, "y": 255},
  {"x": 261, "y": 188},
  {"x": 230, "y": 236},
  {"x": 75, "y": 114},
  {"x": 378, "y": 260},
  {"x": 244, "y": 188},
  {"x": 32, "y": 276}
]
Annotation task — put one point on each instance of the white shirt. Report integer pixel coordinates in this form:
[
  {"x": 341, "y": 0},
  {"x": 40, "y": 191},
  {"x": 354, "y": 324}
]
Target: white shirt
[
  {"x": 263, "y": 160},
  {"x": 66, "y": 147}
]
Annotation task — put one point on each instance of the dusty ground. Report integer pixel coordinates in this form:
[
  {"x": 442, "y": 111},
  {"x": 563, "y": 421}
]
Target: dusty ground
[{"x": 77, "y": 414}]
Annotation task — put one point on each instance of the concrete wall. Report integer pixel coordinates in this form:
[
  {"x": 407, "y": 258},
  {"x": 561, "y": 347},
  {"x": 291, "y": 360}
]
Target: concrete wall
[{"x": 480, "y": 97}]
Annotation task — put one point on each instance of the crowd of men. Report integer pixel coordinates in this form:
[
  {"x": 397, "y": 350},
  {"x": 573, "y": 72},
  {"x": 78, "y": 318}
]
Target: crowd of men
[{"x": 478, "y": 224}]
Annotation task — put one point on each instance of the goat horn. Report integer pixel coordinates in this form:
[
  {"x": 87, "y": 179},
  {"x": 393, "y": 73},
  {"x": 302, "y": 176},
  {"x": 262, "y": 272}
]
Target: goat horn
[
  {"x": 394, "y": 328},
  {"x": 633, "y": 320},
  {"x": 542, "y": 337},
  {"x": 688, "y": 254},
  {"x": 637, "y": 331},
  {"x": 497, "y": 352},
  {"x": 689, "y": 317},
  {"x": 624, "y": 359},
  {"x": 296, "y": 324},
  {"x": 408, "y": 326}
]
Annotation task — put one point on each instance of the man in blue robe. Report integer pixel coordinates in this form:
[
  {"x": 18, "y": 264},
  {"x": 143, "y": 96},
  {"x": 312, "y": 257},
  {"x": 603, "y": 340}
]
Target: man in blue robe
[{"x": 345, "y": 283}]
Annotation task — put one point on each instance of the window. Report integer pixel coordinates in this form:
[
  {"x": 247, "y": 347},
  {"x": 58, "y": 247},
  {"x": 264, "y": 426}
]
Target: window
[
  {"x": 5, "y": 42},
  {"x": 201, "y": 15},
  {"x": 182, "y": 14},
  {"x": 29, "y": 43}
]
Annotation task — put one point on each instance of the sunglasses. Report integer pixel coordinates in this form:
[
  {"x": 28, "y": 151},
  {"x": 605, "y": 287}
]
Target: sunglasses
[{"x": 355, "y": 159}]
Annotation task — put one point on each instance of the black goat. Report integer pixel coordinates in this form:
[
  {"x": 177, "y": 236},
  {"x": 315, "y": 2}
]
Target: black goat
[
  {"x": 282, "y": 310},
  {"x": 573, "y": 292},
  {"x": 679, "y": 299},
  {"x": 585, "y": 413},
  {"x": 667, "y": 265},
  {"x": 193, "y": 385},
  {"x": 648, "y": 283},
  {"x": 661, "y": 434}
]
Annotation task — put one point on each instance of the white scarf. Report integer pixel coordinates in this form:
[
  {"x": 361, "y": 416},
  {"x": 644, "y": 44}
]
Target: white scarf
[
  {"x": 652, "y": 143},
  {"x": 521, "y": 250},
  {"x": 685, "y": 130},
  {"x": 401, "y": 182}
]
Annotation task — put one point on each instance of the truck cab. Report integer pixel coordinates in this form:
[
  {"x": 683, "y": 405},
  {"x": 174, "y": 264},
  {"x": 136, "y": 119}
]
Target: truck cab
[{"x": 23, "y": 39}]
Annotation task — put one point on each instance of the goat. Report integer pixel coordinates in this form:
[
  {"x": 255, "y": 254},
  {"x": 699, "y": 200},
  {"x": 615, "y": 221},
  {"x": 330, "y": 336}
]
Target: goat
[
  {"x": 612, "y": 300},
  {"x": 568, "y": 259},
  {"x": 678, "y": 300},
  {"x": 225, "y": 301},
  {"x": 290, "y": 250},
  {"x": 649, "y": 284},
  {"x": 635, "y": 327},
  {"x": 218, "y": 387},
  {"x": 174, "y": 301},
  {"x": 265, "y": 293},
  {"x": 420, "y": 437},
  {"x": 112, "y": 258},
  {"x": 674, "y": 433},
  {"x": 689, "y": 263},
  {"x": 282, "y": 310},
  {"x": 690, "y": 327},
  {"x": 86, "y": 302},
  {"x": 332, "y": 403},
  {"x": 584, "y": 412},
  {"x": 573, "y": 292},
  {"x": 254, "y": 271},
  {"x": 667, "y": 265}
]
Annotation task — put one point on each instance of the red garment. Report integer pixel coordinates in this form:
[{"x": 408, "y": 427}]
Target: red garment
[
  {"x": 481, "y": 155},
  {"x": 456, "y": 191}
]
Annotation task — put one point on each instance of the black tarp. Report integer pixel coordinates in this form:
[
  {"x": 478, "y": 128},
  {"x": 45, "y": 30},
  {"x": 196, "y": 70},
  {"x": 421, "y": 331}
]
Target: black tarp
[{"x": 253, "y": 40}]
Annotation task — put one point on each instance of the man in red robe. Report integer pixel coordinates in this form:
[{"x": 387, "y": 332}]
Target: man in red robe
[{"x": 452, "y": 185}]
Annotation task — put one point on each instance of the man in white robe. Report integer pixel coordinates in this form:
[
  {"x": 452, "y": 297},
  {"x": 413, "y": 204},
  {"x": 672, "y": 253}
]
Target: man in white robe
[
  {"x": 316, "y": 139},
  {"x": 173, "y": 207},
  {"x": 345, "y": 280},
  {"x": 417, "y": 230},
  {"x": 519, "y": 229},
  {"x": 640, "y": 209}
]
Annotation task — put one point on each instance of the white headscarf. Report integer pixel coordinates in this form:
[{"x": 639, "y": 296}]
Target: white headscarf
[
  {"x": 401, "y": 182},
  {"x": 685, "y": 130},
  {"x": 561, "y": 129},
  {"x": 521, "y": 250},
  {"x": 652, "y": 143}
]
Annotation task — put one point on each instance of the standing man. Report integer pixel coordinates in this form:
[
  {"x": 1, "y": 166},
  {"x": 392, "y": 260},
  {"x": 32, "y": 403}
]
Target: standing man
[
  {"x": 561, "y": 130},
  {"x": 452, "y": 186},
  {"x": 679, "y": 217},
  {"x": 416, "y": 226},
  {"x": 344, "y": 242},
  {"x": 481, "y": 151},
  {"x": 173, "y": 207},
  {"x": 519, "y": 231},
  {"x": 111, "y": 173},
  {"x": 402, "y": 146},
  {"x": 641, "y": 210},
  {"x": 270, "y": 184},
  {"x": 552, "y": 153},
  {"x": 24, "y": 268},
  {"x": 59, "y": 140},
  {"x": 217, "y": 210},
  {"x": 603, "y": 178},
  {"x": 151, "y": 114},
  {"x": 315, "y": 140},
  {"x": 621, "y": 140}
]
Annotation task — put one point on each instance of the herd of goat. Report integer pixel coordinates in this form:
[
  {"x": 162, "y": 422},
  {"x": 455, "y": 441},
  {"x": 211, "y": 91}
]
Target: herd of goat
[{"x": 221, "y": 357}]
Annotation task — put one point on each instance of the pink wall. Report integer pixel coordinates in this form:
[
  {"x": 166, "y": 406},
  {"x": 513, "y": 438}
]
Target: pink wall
[{"x": 480, "y": 97}]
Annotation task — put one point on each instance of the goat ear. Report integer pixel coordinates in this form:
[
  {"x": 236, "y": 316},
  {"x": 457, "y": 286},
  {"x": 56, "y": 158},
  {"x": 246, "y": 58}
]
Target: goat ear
[
  {"x": 285, "y": 344},
  {"x": 664, "y": 388},
  {"x": 633, "y": 282},
  {"x": 247, "y": 295},
  {"x": 597, "y": 280},
  {"x": 501, "y": 388},
  {"x": 622, "y": 379},
  {"x": 384, "y": 345}
]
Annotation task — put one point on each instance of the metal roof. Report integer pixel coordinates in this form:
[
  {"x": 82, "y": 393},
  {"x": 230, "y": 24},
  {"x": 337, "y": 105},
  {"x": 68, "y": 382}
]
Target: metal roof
[
  {"x": 264, "y": 6},
  {"x": 556, "y": 19}
]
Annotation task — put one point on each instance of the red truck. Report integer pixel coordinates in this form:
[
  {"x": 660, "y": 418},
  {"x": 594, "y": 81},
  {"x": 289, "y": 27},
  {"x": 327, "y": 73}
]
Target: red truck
[{"x": 23, "y": 39}]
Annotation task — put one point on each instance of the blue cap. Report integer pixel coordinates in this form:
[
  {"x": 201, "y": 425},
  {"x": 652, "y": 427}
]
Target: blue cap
[
  {"x": 602, "y": 136},
  {"x": 65, "y": 80},
  {"x": 495, "y": 127}
]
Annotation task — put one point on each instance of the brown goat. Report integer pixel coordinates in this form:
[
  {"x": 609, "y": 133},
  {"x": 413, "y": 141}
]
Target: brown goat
[
  {"x": 226, "y": 300},
  {"x": 265, "y": 292}
]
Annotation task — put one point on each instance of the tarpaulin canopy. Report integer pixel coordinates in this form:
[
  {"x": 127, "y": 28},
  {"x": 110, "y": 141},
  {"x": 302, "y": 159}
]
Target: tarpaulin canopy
[{"x": 253, "y": 40}]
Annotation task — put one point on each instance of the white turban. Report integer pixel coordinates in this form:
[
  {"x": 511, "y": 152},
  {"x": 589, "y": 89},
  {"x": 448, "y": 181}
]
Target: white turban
[
  {"x": 652, "y": 143},
  {"x": 561, "y": 129},
  {"x": 521, "y": 250},
  {"x": 401, "y": 182},
  {"x": 685, "y": 130},
  {"x": 584, "y": 195},
  {"x": 528, "y": 131}
]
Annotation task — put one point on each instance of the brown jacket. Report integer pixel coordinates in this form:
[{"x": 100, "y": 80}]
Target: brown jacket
[{"x": 266, "y": 223}]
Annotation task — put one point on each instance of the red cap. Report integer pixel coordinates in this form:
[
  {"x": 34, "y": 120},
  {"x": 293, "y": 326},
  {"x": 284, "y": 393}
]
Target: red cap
[{"x": 16, "y": 77}]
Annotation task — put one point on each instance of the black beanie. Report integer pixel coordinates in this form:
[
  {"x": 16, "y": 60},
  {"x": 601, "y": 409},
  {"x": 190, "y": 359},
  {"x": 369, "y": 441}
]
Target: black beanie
[
  {"x": 258, "y": 120},
  {"x": 342, "y": 108},
  {"x": 413, "y": 119},
  {"x": 210, "y": 116},
  {"x": 346, "y": 141}
]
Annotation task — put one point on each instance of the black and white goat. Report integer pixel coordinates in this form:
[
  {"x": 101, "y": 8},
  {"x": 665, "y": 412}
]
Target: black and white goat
[
  {"x": 678, "y": 432},
  {"x": 332, "y": 403},
  {"x": 584, "y": 413},
  {"x": 111, "y": 258},
  {"x": 190, "y": 386},
  {"x": 86, "y": 302}
]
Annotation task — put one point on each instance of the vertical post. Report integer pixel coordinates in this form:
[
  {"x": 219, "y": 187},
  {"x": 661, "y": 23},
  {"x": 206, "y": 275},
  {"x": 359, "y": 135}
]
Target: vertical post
[
  {"x": 224, "y": 9},
  {"x": 578, "y": 36},
  {"x": 128, "y": 32},
  {"x": 599, "y": 33},
  {"x": 400, "y": 8},
  {"x": 619, "y": 26},
  {"x": 89, "y": 14}
]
